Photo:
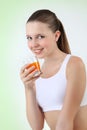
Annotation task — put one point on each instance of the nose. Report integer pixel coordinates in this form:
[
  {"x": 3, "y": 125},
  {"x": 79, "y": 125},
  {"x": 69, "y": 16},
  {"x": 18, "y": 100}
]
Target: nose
[{"x": 33, "y": 43}]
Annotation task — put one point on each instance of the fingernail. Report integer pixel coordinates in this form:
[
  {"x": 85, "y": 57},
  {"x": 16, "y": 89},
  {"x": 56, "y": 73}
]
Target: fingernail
[{"x": 25, "y": 70}]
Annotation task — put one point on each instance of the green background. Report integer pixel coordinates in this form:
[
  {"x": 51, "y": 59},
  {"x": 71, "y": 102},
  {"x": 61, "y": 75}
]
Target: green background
[{"x": 13, "y": 16}]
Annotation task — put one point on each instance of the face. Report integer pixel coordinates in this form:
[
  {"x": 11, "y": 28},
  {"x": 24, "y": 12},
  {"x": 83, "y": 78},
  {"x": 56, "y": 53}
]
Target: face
[{"x": 41, "y": 40}]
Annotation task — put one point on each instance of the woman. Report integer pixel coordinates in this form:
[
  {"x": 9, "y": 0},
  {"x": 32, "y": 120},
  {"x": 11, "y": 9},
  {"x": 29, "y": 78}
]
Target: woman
[{"x": 58, "y": 93}]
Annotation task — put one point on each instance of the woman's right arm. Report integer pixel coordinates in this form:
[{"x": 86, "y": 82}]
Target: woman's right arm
[{"x": 34, "y": 113}]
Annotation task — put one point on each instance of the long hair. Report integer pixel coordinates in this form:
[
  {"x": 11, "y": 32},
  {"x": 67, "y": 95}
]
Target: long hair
[{"x": 48, "y": 17}]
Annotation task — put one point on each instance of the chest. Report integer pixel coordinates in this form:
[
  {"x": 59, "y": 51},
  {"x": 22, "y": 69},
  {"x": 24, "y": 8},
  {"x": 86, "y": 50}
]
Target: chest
[
  {"x": 49, "y": 71},
  {"x": 51, "y": 91}
]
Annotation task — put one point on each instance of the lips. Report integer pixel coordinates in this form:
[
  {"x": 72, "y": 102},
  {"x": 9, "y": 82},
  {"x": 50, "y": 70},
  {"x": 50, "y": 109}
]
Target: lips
[{"x": 38, "y": 51}]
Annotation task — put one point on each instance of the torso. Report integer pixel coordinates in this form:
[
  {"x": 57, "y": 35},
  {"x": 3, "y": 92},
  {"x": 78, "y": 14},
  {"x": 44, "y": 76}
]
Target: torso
[
  {"x": 51, "y": 117},
  {"x": 53, "y": 86}
]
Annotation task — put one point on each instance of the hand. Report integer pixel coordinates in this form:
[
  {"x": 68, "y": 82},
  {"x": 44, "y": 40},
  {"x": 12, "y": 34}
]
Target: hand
[{"x": 28, "y": 75}]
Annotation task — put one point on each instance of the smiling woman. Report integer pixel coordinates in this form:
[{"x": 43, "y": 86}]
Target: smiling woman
[
  {"x": 39, "y": 39},
  {"x": 57, "y": 95}
]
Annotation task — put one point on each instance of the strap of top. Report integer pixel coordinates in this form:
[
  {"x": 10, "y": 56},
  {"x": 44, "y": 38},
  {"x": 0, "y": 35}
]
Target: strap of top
[{"x": 65, "y": 62}]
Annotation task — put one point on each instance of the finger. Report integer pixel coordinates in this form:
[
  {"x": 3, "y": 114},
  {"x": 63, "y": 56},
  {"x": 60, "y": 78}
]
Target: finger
[
  {"x": 29, "y": 71},
  {"x": 35, "y": 73},
  {"x": 23, "y": 68},
  {"x": 32, "y": 74},
  {"x": 29, "y": 79},
  {"x": 27, "y": 76}
]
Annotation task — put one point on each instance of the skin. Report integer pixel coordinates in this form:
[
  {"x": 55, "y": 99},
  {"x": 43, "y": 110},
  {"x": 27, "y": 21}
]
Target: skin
[{"x": 42, "y": 42}]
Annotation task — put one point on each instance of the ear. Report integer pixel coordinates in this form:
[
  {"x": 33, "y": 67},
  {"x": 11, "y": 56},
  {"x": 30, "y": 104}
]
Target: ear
[{"x": 57, "y": 35}]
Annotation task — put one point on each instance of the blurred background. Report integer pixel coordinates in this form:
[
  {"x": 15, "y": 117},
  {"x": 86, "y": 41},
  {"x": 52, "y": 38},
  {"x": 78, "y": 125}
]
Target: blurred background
[{"x": 13, "y": 47}]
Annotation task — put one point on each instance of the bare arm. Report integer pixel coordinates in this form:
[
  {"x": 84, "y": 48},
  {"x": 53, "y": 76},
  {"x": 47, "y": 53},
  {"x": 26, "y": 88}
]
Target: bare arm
[
  {"x": 76, "y": 82},
  {"x": 34, "y": 113}
]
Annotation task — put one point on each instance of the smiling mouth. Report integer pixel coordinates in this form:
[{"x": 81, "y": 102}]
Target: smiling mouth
[{"x": 38, "y": 51}]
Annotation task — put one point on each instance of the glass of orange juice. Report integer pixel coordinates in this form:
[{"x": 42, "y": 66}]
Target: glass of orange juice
[{"x": 33, "y": 61}]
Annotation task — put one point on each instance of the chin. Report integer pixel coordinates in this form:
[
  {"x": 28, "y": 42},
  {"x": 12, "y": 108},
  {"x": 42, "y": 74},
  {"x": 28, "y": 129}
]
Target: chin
[{"x": 40, "y": 56}]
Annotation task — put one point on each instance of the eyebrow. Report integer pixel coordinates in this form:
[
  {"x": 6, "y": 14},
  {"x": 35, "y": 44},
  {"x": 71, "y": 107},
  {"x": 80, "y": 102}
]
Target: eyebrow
[{"x": 34, "y": 35}]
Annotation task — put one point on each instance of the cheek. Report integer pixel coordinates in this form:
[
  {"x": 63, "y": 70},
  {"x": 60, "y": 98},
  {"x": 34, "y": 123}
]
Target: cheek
[
  {"x": 45, "y": 44},
  {"x": 29, "y": 45}
]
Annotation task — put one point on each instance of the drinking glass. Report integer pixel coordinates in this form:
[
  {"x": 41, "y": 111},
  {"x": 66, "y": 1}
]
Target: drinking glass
[{"x": 33, "y": 61}]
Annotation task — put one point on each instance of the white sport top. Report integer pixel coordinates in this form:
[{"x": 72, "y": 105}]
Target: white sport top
[{"x": 50, "y": 92}]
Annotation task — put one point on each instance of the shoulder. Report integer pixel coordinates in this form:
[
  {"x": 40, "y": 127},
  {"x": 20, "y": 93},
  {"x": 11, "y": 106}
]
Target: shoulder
[
  {"x": 76, "y": 61},
  {"x": 75, "y": 65}
]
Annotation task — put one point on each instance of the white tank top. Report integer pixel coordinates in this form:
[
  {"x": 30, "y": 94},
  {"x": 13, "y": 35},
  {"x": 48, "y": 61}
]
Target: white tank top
[{"x": 50, "y": 92}]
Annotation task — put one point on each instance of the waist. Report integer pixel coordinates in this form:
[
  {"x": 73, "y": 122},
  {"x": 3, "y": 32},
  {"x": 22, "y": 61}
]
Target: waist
[
  {"x": 51, "y": 108},
  {"x": 51, "y": 118}
]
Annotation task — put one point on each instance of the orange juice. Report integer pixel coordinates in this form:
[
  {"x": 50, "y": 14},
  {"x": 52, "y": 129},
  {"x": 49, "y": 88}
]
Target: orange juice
[{"x": 36, "y": 64}]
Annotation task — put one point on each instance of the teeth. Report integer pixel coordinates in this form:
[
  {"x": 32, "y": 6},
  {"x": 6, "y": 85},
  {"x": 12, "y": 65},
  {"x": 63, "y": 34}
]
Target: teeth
[{"x": 37, "y": 50}]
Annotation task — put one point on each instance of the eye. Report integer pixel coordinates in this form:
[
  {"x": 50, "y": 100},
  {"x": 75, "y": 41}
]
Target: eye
[
  {"x": 40, "y": 37},
  {"x": 29, "y": 38}
]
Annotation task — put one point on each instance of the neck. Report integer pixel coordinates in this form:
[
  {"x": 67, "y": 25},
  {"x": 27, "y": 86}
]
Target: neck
[{"x": 54, "y": 56}]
